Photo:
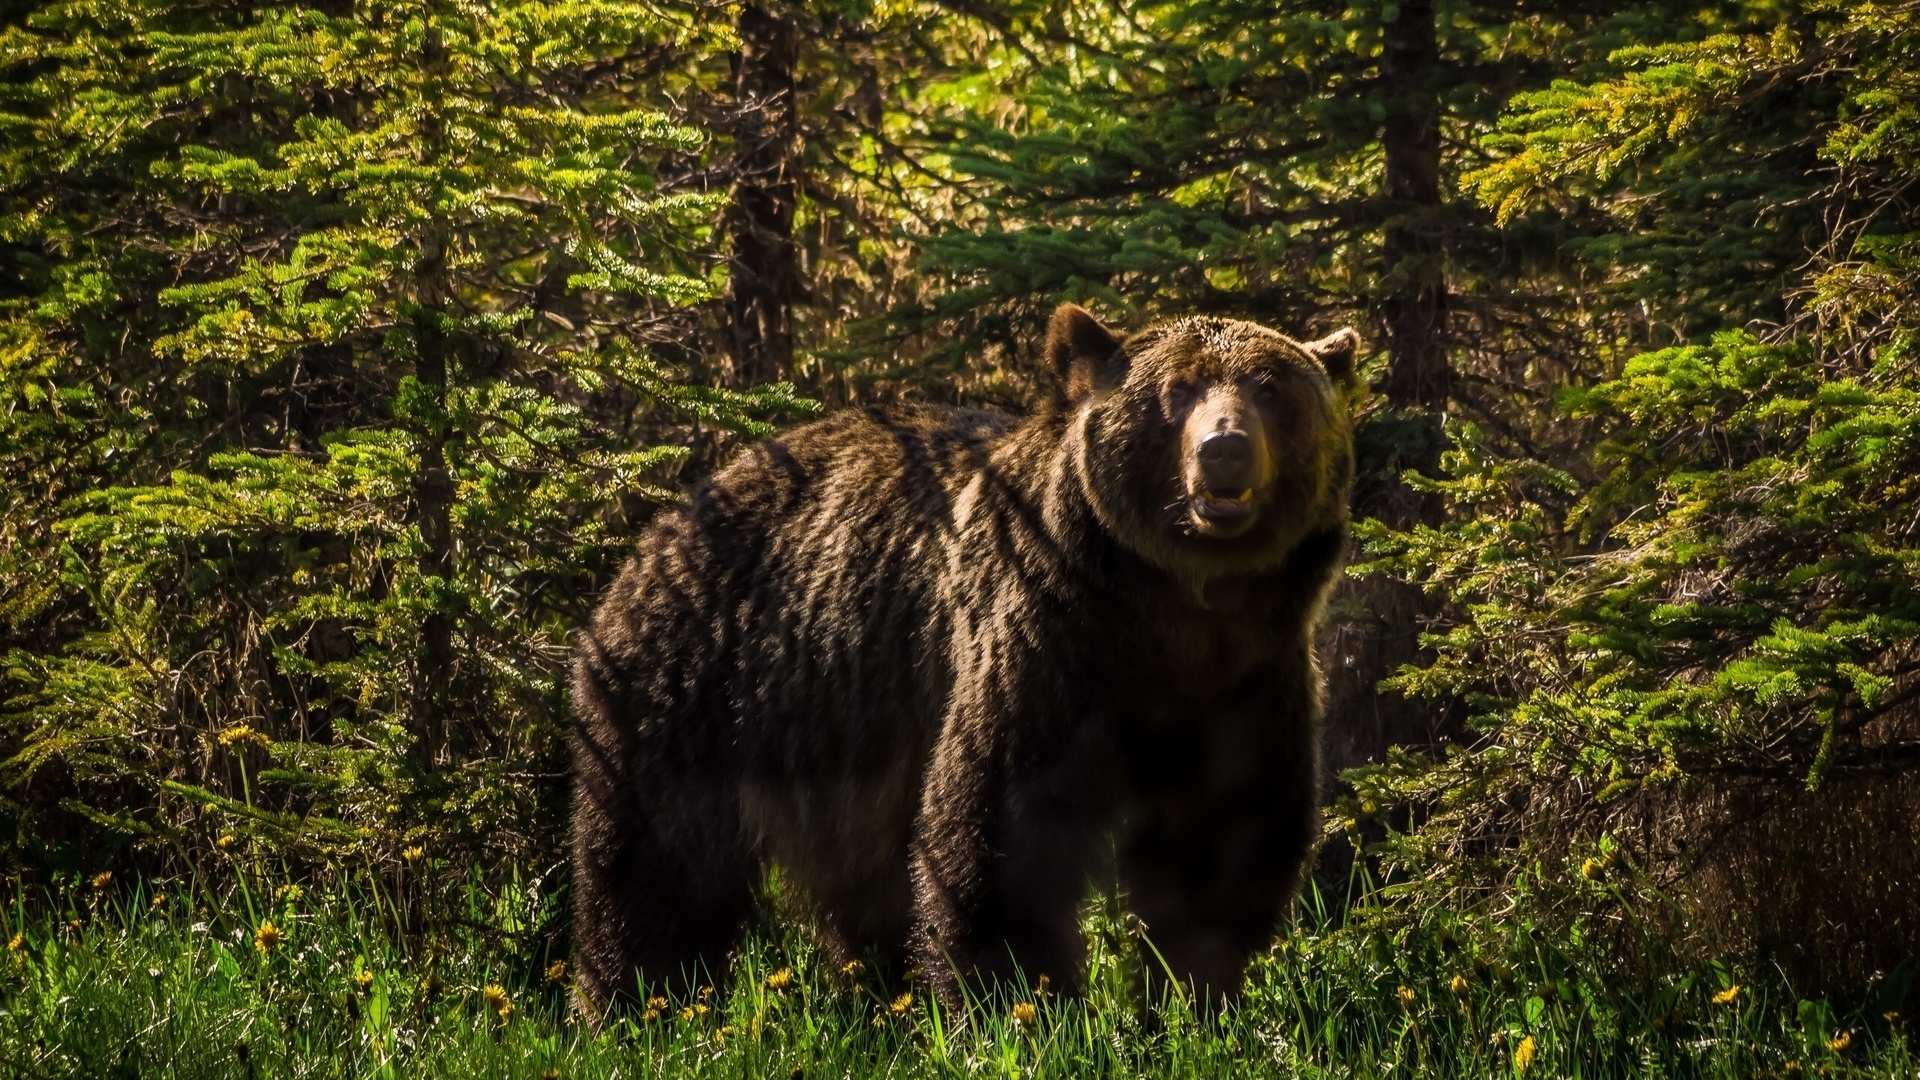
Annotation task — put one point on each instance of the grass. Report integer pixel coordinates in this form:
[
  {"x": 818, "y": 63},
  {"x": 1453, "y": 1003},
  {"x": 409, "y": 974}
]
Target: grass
[{"x": 104, "y": 981}]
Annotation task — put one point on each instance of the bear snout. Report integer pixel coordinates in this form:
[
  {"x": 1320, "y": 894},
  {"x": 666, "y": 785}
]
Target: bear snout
[{"x": 1226, "y": 461}]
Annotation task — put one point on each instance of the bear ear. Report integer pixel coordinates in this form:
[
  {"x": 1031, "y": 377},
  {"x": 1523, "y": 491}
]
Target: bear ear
[
  {"x": 1081, "y": 352},
  {"x": 1336, "y": 351}
]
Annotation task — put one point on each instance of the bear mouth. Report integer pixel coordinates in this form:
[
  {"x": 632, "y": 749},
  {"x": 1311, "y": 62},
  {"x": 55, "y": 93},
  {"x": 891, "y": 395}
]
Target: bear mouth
[{"x": 1223, "y": 511}]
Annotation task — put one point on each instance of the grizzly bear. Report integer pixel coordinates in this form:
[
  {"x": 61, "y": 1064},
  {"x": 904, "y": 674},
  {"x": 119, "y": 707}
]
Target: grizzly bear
[{"x": 942, "y": 669}]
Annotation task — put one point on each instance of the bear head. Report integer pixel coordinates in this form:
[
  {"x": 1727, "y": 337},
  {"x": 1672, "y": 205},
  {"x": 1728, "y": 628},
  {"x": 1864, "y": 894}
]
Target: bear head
[{"x": 1207, "y": 446}]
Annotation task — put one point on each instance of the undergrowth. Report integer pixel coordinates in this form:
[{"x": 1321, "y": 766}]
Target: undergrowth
[{"x": 101, "y": 979}]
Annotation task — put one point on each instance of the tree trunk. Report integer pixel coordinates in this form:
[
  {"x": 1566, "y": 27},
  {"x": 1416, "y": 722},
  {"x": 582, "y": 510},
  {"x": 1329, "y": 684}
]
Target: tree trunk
[
  {"x": 1416, "y": 297},
  {"x": 1373, "y": 623},
  {"x": 762, "y": 274},
  {"x": 433, "y": 484}
]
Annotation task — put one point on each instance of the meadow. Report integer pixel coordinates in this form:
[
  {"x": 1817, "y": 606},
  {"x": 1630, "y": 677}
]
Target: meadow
[{"x": 102, "y": 980}]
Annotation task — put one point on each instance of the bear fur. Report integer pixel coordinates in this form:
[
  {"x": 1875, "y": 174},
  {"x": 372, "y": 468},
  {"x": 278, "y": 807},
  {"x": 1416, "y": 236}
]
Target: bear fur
[{"x": 942, "y": 669}]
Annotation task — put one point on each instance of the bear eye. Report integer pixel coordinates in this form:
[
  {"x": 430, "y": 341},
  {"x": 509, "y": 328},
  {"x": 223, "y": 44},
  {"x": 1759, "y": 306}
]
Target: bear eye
[{"x": 1181, "y": 391}]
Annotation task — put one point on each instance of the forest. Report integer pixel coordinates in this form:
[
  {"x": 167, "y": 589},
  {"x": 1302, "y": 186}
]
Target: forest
[{"x": 348, "y": 346}]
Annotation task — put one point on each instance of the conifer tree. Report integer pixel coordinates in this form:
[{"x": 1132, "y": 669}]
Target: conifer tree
[
  {"x": 1697, "y": 642},
  {"x": 343, "y": 347}
]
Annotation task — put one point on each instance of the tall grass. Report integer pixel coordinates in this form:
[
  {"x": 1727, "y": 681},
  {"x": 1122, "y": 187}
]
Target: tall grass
[{"x": 355, "y": 981}]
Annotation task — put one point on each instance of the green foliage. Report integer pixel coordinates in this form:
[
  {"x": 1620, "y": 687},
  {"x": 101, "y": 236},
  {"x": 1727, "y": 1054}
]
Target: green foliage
[
  {"x": 1726, "y": 583},
  {"x": 347, "y": 353}
]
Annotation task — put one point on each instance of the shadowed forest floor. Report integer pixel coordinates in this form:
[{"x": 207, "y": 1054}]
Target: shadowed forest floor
[{"x": 291, "y": 983}]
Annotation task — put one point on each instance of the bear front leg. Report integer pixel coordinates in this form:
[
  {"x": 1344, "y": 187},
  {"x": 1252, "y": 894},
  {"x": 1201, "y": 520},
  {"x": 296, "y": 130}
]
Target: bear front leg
[
  {"x": 1007, "y": 837},
  {"x": 1210, "y": 865}
]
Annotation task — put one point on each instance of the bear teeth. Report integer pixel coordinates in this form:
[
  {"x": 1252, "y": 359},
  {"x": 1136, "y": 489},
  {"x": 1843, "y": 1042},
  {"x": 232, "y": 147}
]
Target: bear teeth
[{"x": 1241, "y": 495}]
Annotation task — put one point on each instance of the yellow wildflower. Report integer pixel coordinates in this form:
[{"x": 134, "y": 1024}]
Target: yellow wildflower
[
  {"x": 498, "y": 1002},
  {"x": 159, "y": 899},
  {"x": 1523, "y": 1054},
  {"x": 414, "y": 854},
  {"x": 1839, "y": 1043},
  {"x": 289, "y": 892},
  {"x": 1044, "y": 985},
  {"x": 1592, "y": 869},
  {"x": 17, "y": 943},
  {"x": 780, "y": 980},
  {"x": 1407, "y": 997},
  {"x": 1025, "y": 1014},
  {"x": 1728, "y": 996},
  {"x": 103, "y": 879},
  {"x": 557, "y": 971},
  {"x": 363, "y": 981},
  {"x": 226, "y": 841},
  {"x": 1791, "y": 1070},
  {"x": 1458, "y": 985},
  {"x": 267, "y": 937},
  {"x": 902, "y": 1004},
  {"x": 242, "y": 733},
  {"x": 550, "y": 1074},
  {"x": 852, "y": 969},
  {"x": 656, "y": 1003}
]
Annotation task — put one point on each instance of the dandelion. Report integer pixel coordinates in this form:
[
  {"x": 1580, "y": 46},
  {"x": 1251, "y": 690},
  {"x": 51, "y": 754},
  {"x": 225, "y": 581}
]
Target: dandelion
[
  {"x": 780, "y": 980},
  {"x": 1458, "y": 985},
  {"x": 550, "y": 1074},
  {"x": 226, "y": 841},
  {"x": 557, "y": 971},
  {"x": 1839, "y": 1043},
  {"x": 414, "y": 854},
  {"x": 1044, "y": 985},
  {"x": 1592, "y": 869},
  {"x": 363, "y": 981},
  {"x": 1728, "y": 996},
  {"x": 902, "y": 1004},
  {"x": 267, "y": 937},
  {"x": 17, "y": 943},
  {"x": 240, "y": 733},
  {"x": 102, "y": 879},
  {"x": 656, "y": 1002},
  {"x": 1523, "y": 1054},
  {"x": 1792, "y": 1069},
  {"x": 852, "y": 969},
  {"x": 498, "y": 1001},
  {"x": 1407, "y": 998},
  {"x": 1025, "y": 1014},
  {"x": 159, "y": 900}
]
